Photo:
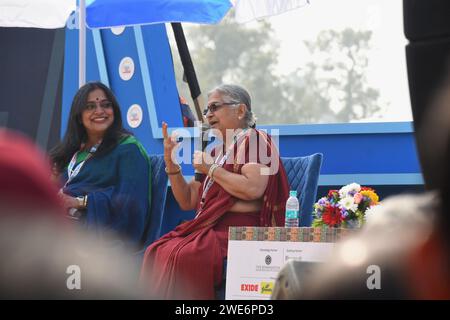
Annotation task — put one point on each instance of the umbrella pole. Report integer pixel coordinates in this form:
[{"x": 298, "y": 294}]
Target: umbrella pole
[
  {"x": 188, "y": 67},
  {"x": 82, "y": 43},
  {"x": 194, "y": 87}
]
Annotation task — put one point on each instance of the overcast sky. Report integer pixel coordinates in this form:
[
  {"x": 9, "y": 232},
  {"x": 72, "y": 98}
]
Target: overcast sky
[{"x": 387, "y": 65}]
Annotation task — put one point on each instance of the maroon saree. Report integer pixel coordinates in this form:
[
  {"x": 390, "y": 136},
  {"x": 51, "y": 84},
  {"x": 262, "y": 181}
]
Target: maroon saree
[{"x": 187, "y": 262}]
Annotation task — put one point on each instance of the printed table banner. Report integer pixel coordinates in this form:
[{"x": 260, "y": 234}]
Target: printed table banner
[{"x": 257, "y": 254}]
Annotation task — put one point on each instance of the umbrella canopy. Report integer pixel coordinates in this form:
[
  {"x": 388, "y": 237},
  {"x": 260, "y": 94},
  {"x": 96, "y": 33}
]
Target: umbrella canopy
[
  {"x": 47, "y": 14},
  {"x": 111, "y": 13}
]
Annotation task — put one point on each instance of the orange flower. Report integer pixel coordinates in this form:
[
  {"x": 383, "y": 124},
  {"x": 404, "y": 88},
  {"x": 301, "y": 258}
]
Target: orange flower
[{"x": 371, "y": 195}]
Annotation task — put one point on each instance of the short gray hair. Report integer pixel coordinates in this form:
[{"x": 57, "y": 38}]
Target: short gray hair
[{"x": 235, "y": 93}]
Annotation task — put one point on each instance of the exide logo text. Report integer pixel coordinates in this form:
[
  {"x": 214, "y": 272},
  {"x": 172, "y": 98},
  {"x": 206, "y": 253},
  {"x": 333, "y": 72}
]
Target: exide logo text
[{"x": 249, "y": 287}]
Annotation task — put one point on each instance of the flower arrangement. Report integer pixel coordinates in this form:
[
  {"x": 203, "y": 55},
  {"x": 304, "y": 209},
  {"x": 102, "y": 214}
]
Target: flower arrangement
[{"x": 346, "y": 207}]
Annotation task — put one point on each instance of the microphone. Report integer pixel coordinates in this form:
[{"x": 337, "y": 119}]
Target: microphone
[{"x": 204, "y": 130}]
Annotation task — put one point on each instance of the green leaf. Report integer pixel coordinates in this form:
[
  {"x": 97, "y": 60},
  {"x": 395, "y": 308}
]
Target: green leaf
[{"x": 318, "y": 223}]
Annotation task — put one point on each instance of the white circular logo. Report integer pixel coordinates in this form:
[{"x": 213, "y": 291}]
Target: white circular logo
[
  {"x": 134, "y": 116},
  {"x": 117, "y": 30},
  {"x": 126, "y": 68}
]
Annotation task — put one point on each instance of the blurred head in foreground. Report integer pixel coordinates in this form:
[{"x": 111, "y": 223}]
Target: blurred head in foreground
[{"x": 25, "y": 178}]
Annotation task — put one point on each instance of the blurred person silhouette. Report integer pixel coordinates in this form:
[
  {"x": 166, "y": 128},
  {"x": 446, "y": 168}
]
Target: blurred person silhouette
[
  {"x": 23, "y": 176},
  {"x": 186, "y": 113},
  {"x": 403, "y": 250},
  {"x": 44, "y": 256},
  {"x": 104, "y": 170}
]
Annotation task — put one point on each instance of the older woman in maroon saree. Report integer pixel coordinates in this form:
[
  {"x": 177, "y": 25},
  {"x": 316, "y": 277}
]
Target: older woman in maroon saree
[{"x": 187, "y": 263}]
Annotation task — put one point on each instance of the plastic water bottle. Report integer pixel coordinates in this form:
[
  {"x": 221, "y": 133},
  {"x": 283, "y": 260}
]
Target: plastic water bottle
[{"x": 292, "y": 209}]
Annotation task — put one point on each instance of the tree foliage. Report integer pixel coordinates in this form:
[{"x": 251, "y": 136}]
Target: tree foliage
[
  {"x": 340, "y": 70},
  {"x": 330, "y": 88}
]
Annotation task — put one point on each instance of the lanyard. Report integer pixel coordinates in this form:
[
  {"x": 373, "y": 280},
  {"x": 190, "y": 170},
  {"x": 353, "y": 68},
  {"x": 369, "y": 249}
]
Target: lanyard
[
  {"x": 208, "y": 181},
  {"x": 73, "y": 169}
]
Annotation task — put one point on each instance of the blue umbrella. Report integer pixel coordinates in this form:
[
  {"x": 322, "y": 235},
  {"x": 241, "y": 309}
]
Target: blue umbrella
[{"x": 111, "y": 13}]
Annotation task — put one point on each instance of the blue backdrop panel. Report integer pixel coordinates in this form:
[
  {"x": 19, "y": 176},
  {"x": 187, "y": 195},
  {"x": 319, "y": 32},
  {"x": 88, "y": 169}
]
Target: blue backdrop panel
[
  {"x": 160, "y": 66},
  {"x": 357, "y": 153},
  {"x": 376, "y": 153}
]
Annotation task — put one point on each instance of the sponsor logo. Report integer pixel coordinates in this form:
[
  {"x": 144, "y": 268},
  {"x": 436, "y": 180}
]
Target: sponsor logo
[
  {"x": 134, "y": 116},
  {"x": 126, "y": 68},
  {"x": 266, "y": 287},
  {"x": 249, "y": 287},
  {"x": 268, "y": 259}
]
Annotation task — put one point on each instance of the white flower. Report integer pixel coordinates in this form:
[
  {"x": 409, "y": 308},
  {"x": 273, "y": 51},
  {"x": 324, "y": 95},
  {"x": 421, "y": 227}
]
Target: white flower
[
  {"x": 349, "y": 204},
  {"x": 350, "y": 188}
]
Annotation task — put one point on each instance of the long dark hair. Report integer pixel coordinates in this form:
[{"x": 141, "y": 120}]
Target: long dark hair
[{"x": 76, "y": 132}]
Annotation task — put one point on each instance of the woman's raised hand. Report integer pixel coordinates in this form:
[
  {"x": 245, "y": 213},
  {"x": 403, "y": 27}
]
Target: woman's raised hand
[{"x": 170, "y": 143}]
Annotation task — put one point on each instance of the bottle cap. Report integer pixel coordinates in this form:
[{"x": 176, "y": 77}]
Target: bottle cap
[{"x": 293, "y": 193}]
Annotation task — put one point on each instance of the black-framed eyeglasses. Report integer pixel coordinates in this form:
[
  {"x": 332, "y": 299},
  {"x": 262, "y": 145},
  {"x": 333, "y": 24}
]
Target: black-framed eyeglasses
[
  {"x": 213, "y": 107},
  {"x": 91, "y": 106}
]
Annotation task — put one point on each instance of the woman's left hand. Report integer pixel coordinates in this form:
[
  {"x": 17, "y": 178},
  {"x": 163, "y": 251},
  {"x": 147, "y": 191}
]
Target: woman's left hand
[
  {"x": 202, "y": 161},
  {"x": 68, "y": 201}
]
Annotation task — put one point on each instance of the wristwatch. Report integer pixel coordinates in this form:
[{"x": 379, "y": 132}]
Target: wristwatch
[{"x": 82, "y": 202}]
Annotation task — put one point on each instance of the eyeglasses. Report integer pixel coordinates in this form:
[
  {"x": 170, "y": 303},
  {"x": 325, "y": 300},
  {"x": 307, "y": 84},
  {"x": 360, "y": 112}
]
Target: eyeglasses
[
  {"x": 91, "y": 106},
  {"x": 213, "y": 107}
]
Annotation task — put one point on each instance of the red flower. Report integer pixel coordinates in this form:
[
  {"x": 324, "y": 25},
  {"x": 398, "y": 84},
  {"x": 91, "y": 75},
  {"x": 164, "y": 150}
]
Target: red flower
[
  {"x": 332, "y": 216},
  {"x": 367, "y": 189},
  {"x": 332, "y": 193}
]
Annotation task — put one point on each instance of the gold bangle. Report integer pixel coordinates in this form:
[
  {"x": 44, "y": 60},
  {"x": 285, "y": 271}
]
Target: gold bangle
[
  {"x": 174, "y": 172},
  {"x": 82, "y": 202}
]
